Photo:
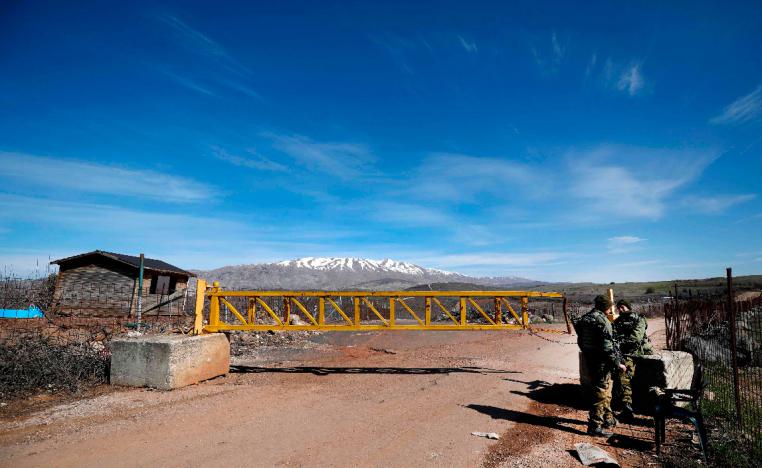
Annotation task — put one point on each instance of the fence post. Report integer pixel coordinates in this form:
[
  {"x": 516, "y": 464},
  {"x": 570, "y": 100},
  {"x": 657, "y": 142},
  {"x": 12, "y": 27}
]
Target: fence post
[
  {"x": 140, "y": 291},
  {"x": 198, "y": 324},
  {"x": 566, "y": 317},
  {"x": 734, "y": 345}
]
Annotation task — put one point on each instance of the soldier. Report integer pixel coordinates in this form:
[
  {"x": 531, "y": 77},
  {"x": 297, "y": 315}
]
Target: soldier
[
  {"x": 595, "y": 339},
  {"x": 630, "y": 332}
]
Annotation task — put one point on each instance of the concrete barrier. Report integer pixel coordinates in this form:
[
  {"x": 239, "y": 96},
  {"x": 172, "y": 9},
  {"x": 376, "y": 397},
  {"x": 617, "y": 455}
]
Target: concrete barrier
[
  {"x": 664, "y": 369},
  {"x": 168, "y": 361}
]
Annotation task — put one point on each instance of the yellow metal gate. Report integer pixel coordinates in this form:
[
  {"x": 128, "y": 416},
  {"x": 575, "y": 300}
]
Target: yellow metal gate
[{"x": 383, "y": 310}]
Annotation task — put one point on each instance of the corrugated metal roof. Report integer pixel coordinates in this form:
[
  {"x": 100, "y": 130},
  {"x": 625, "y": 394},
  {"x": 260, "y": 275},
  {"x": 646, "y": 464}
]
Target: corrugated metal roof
[{"x": 131, "y": 260}]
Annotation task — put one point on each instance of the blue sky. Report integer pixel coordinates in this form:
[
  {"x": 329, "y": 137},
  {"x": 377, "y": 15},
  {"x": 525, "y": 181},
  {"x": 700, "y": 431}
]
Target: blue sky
[{"x": 607, "y": 142}]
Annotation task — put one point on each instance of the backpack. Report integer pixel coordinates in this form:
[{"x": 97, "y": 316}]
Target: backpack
[{"x": 590, "y": 332}]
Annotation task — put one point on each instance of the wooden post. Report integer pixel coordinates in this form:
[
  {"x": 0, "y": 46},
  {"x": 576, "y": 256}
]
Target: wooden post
[
  {"x": 525, "y": 311},
  {"x": 427, "y": 311},
  {"x": 566, "y": 317},
  {"x": 140, "y": 291},
  {"x": 498, "y": 311}
]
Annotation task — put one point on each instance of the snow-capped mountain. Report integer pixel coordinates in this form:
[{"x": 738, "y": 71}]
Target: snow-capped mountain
[
  {"x": 340, "y": 273},
  {"x": 361, "y": 265}
]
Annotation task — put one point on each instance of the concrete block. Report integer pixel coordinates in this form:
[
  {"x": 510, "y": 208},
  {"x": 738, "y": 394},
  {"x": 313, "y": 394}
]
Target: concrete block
[
  {"x": 665, "y": 369},
  {"x": 168, "y": 361}
]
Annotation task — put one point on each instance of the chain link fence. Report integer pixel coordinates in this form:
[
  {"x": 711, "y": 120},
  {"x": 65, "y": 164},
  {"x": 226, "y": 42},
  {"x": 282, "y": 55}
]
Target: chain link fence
[{"x": 725, "y": 336}]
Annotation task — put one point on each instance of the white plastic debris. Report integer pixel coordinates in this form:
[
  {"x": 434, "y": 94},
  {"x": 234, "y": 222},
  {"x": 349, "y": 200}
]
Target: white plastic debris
[
  {"x": 488, "y": 435},
  {"x": 590, "y": 454}
]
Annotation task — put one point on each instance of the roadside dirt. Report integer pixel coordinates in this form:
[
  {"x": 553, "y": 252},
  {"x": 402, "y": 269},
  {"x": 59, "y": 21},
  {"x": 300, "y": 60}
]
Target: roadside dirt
[{"x": 347, "y": 399}]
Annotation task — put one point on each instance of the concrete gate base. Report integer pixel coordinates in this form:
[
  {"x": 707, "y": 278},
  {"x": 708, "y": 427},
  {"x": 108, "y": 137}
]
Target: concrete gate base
[
  {"x": 664, "y": 369},
  {"x": 168, "y": 361}
]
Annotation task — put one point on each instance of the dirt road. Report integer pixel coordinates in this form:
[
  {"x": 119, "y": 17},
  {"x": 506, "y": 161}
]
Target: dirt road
[{"x": 371, "y": 399}]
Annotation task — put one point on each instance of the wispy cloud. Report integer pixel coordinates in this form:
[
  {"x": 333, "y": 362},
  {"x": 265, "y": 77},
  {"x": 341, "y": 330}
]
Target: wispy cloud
[
  {"x": 189, "y": 83},
  {"x": 469, "y": 46},
  {"x": 409, "y": 214},
  {"x": 199, "y": 42},
  {"x": 625, "y": 78},
  {"x": 716, "y": 204},
  {"x": 252, "y": 162},
  {"x": 86, "y": 177},
  {"x": 631, "y": 80},
  {"x": 341, "y": 159},
  {"x": 741, "y": 110},
  {"x": 623, "y": 244},
  {"x": 591, "y": 64},
  {"x": 504, "y": 259},
  {"x": 549, "y": 55},
  {"x": 235, "y": 76},
  {"x": 606, "y": 179},
  {"x": 463, "y": 178},
  {"x": 202, "y": 240}
]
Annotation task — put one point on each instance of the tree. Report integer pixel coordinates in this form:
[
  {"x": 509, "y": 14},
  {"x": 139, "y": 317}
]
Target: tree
[{"x": 650, "y": 290}]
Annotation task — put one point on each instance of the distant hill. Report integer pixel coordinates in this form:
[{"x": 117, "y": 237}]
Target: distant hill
[{"x": 339, "y": 273}]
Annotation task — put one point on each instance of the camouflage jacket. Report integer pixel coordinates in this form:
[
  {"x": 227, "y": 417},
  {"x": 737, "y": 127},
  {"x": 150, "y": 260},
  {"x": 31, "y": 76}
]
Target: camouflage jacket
[
  {"x": 595, "y": 337},
  {"x": 630, "y": 332}
]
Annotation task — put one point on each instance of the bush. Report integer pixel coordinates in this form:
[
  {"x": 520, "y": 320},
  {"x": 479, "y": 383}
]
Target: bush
[
  {"x": 650, "y": 290},
  {"x": 38, "y": 364}
]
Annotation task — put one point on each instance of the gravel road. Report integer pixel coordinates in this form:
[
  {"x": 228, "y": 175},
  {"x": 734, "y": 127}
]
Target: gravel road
[{"x": 347, "y": 399}]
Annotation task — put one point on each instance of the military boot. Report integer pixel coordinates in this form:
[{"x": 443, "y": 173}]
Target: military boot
[
  {"x": 610, "y": 422},
  {"x": 627, "y": 414},
  {"x": 599, "y": 431}
]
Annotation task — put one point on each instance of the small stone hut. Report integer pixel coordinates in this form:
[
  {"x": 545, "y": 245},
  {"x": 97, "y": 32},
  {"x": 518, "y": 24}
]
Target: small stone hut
[{"x": 105, "y": 284}]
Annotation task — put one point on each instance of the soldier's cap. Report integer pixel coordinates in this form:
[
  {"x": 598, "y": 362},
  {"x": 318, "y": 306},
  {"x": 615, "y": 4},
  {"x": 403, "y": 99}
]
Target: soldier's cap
[
  {"x": 602, "y": 303},
  {"x": 624, "y": 302}
]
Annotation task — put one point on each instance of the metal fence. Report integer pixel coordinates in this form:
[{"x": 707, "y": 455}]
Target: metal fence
[{"x": 725, "y": 336}]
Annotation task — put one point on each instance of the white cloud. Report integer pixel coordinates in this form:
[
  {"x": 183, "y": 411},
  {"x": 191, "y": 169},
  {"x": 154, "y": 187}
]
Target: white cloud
[
  {"x": 742, "y": 109},
  {"x": 631, "y": 80},
  {"x": 716, "y": 204},
  {"x": 607, "y": 180},
  {"x": 463, "y": 178},
  {"x": 469, "y": 46},
  {"x": 623, "y": 244},
  {"x": 87, "y": 177},
  {"x": 344, "y": 160},
  {"x": 255, "y": 162}
]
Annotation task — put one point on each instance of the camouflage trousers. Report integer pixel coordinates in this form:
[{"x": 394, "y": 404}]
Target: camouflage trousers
[
  {"x": 625, "y": 381},
  {"x": 600, "y": 410}
]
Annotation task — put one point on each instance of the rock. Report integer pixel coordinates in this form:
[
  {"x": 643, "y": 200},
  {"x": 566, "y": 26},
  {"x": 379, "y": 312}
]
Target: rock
[
  {"x": 590, "y": 454},
  {"x": 296, "y": 320}
]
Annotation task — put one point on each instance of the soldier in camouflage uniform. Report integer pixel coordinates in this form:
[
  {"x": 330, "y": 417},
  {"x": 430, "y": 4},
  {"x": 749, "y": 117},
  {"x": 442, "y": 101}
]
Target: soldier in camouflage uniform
[
  {"x": 630, "y": 332},
  {"x": 595, "y": 339}
]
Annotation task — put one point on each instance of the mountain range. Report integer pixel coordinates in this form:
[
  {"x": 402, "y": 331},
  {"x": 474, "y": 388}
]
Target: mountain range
[{"x": 342, "y": 273}]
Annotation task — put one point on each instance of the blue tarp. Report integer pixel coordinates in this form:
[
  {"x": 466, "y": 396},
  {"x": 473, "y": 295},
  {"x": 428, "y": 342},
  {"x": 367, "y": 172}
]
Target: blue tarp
[{"x": 31, "y": 312}]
